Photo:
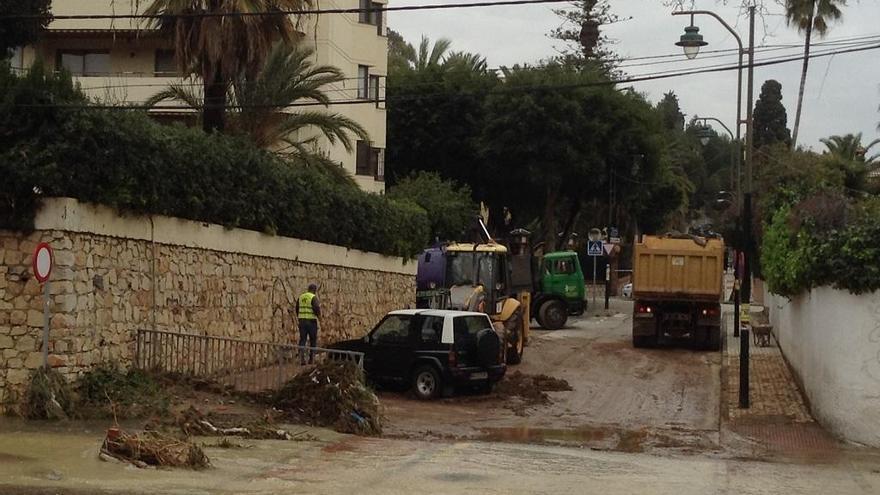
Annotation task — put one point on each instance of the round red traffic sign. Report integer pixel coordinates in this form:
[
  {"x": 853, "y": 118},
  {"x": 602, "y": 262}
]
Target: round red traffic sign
[{"x": 42, "y": 262}]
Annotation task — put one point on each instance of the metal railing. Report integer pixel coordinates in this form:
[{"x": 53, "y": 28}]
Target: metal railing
[{"x": 244, "y": 365}]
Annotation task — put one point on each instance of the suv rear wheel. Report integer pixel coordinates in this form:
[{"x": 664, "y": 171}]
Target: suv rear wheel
[{"x": 426, "y": 382}]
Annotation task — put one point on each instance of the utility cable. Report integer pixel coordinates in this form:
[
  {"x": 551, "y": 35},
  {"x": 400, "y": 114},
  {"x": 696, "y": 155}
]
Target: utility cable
[{"x": 301, "y": 12}]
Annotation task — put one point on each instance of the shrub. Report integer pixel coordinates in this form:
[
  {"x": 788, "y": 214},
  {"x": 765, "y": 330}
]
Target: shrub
[
  {"x": 48, "y": 396},
  {"x": 109, "y": 391},
  {"x": 450, "y": 207}
]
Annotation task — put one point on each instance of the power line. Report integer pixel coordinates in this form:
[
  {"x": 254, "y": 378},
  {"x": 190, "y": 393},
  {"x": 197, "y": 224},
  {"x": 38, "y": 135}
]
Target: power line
[
  {"x": 302, "y": 12},
  {"x": 374, "y": 101}
]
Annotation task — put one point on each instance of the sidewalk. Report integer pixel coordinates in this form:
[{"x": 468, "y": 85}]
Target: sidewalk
[{"x": 778, "y": 416}]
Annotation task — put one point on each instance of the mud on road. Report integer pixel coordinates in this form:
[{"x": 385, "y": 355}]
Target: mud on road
[{"x": 621, "y": 399}]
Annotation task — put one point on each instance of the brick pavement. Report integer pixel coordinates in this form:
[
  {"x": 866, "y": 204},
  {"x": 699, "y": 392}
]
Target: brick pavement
[{"x": 778, "y": 416}]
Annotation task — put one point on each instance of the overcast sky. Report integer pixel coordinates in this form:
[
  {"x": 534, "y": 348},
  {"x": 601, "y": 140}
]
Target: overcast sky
[{"x": 842, "y": 94}]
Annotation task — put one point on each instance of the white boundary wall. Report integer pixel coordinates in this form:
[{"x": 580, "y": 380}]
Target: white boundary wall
[{"x": 831, "y": 338}]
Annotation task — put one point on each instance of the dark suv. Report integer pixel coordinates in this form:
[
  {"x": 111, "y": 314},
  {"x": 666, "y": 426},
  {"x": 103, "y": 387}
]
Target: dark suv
[{"x": 433, "y": 350}]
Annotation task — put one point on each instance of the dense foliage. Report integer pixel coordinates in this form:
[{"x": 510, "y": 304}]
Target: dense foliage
[
  {"x": 20, "y": 32},
  {"x": 125, "y": 160},
  {"x": 821, "y": 223},
  {"x": 450, "y": 208}
]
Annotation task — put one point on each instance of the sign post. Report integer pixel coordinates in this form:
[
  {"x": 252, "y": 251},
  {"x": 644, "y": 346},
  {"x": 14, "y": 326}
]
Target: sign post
[
  {"x": 594, "y": 250},
  {"x": 42, "y": 265}
]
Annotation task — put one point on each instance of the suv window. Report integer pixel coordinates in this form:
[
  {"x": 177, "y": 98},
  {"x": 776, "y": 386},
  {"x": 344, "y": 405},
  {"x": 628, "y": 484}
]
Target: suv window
[
  {"x": 393, "y": 330},
  {"x": 432, "y": 329},
  {"x": 466, "y": 328}
]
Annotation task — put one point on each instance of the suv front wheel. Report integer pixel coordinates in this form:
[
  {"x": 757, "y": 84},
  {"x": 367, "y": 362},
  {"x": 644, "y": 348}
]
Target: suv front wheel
[{"x": 426, "y": 382}]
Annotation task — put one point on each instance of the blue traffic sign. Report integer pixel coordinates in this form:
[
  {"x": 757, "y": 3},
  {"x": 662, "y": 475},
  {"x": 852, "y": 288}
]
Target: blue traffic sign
[{"x": 594, "y": 248}]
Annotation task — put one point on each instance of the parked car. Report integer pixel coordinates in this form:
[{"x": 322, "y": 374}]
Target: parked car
[
  {"x": 628, "y": 290},
  {"x": 432, "y": 350}
]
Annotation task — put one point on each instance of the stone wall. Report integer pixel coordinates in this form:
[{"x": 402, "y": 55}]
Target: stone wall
[
  {"x": 114, "y": 275},
  {"x": 831, "y": 339}
]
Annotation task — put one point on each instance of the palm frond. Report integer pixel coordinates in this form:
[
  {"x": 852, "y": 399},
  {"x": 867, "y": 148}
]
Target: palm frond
[{"x": 181, "y": 93}]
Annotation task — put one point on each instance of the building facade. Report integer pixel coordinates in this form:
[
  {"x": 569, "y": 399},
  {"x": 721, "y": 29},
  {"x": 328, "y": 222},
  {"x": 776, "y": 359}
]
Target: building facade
[{"x": 120, "y": 61}]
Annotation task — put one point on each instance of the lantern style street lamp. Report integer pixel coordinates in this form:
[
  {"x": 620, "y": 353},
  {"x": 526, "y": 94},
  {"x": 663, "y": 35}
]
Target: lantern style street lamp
[{"x": 691, "y": 41}]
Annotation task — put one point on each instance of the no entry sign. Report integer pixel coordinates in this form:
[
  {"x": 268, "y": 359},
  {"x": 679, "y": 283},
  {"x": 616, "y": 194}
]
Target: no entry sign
[{"x": 42, "y": 262}]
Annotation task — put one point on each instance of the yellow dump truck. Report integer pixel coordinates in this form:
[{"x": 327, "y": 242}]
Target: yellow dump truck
[{"x": 678, "y": 283}]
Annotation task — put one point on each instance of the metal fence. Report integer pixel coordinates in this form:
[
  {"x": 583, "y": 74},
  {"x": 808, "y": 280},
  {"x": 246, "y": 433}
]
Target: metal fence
[{"x": 244, "y": 365}]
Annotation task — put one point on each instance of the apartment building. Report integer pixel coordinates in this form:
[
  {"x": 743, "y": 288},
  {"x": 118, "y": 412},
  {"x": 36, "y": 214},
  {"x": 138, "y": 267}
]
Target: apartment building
[{"x": 120, "y": 61}]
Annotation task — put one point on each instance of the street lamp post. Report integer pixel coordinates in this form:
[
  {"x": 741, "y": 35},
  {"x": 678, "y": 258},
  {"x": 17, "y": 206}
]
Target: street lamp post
[
  {"x": 691, "y": 41},
  {"x": 704, "y": 140}
]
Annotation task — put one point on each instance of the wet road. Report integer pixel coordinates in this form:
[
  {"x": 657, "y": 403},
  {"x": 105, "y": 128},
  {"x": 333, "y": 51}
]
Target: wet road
[
  {"x": 67, "y": 464},
  {"x": 614, "y": 387}
]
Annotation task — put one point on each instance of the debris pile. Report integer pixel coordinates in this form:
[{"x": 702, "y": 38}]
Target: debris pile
[
  {"x": 193, "y": 423},
  {"x": 152, "y": 449},
  {"x": 333, "y": 394},
  {"x": 532, "y": 389},
  {"x": 48, "y": 396}
]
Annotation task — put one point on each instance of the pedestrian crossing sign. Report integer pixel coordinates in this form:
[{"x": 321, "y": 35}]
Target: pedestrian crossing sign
[{"x": 594, "y": 248}]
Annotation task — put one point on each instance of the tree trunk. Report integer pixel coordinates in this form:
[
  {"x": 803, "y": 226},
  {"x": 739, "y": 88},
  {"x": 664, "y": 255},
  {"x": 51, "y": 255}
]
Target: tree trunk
[
  {"x": 550, "y": 201},
  {"x": 800, "y": 102},
  {"x": 573, "y": 214},
  {"x": 214, "y": 113}
]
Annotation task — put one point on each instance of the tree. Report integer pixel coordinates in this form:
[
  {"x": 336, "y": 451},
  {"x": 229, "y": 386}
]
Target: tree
[
  {"x": 449, "y": 205},
  {"x": 809, "y": 16},
  {"x": 581, "y": 34},
  {"x": 770, "y": 118},
  {"x": 22, "y": 32},
  {"x": 219, "y": 49},
  {"x": 670, "y": 112},
  {"x": 849, "y": 147},
  {"x": 554, "y": 155},
  {"x": 262, "y": 105},
  {"x": 435, "y": 117},
  {"x": 399, "y": 52}
]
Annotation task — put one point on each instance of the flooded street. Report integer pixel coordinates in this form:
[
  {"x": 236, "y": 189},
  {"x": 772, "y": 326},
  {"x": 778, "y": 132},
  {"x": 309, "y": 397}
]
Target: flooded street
[
  {"x": 68, "y": 464},
  {"x": 635, "y": 421}
]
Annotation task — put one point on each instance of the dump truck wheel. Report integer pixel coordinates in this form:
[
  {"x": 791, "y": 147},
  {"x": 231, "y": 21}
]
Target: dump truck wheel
[
  {"x": 553, "y": 314},
  {"x": 426, "y": 382}
]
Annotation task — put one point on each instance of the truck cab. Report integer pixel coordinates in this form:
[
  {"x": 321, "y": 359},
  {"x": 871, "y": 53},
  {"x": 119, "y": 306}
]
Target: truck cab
[{"x": 562, "y": 275}]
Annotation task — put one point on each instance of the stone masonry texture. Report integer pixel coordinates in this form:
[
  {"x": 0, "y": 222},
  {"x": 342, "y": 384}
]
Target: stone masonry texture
[{"x": 104, "y": 289}]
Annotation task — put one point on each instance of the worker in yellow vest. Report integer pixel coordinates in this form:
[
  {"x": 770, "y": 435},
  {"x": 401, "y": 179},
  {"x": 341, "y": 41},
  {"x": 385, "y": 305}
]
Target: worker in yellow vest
[{"x": 308, "y": 310}]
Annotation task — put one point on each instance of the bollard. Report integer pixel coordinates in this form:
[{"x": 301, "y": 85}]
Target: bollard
[
  {"x": 744, "y": 369},
  {"x": 736, "y": 321}
]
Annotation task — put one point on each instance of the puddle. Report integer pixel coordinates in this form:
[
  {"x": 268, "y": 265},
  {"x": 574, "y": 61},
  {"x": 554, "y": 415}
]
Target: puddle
[
  {"x": 525, "y": 434},
  {"x": 600, "y": 438},
  {"x": 4, "y": 457}
]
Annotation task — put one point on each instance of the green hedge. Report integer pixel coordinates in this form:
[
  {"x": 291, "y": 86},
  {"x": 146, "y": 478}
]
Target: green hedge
[
  {"x": 125, "y": 160},
  {"x": 804, "y": 248}
]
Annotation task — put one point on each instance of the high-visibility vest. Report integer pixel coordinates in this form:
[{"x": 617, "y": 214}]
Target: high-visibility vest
[{"x": 305, "y": 307}]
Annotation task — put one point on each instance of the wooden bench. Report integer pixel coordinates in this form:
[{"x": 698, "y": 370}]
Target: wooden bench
[{"x": 761, "y": 327}]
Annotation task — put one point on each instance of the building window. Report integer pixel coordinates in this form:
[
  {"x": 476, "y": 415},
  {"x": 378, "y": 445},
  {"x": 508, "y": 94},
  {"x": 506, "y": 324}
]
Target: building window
[
  {"x": 84, "y": 63},
  {"x": 373, "y": 17},
  {"x": 363, "y": 82},
  {"x": 374, "y": 87},
  {"x": 166, "y": 63},
  {"x": 370, "y": 161}
]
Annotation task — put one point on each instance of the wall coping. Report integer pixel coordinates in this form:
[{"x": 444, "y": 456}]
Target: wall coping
[{"x": 70, "y": 215}]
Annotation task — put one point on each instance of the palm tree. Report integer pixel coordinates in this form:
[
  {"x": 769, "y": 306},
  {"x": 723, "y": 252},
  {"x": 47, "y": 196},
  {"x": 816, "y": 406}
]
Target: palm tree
[
  {"x": 850, "y": 148},
  {"x": 428, "y": 56},
  {"x": 809, "y": 15},
  {"x": 219, "y": 49},
  {"x": 258, "y": 105}
]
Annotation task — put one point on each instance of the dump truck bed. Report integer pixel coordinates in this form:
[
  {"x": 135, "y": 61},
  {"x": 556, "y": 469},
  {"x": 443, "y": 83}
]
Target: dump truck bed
[{"x": 681, "y": 269}]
